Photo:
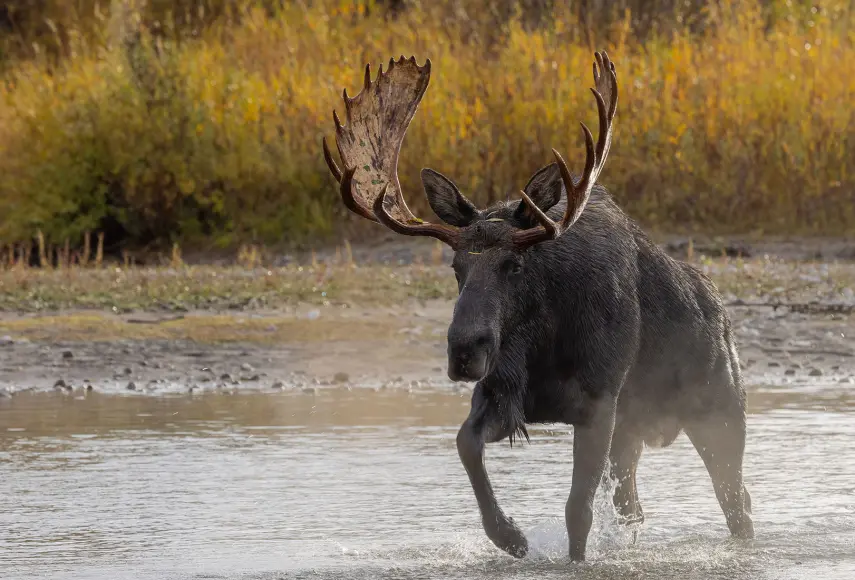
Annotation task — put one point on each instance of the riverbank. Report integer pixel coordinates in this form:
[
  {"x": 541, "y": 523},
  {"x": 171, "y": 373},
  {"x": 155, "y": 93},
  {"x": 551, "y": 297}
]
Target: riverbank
[{"x": 351, "y": 320}]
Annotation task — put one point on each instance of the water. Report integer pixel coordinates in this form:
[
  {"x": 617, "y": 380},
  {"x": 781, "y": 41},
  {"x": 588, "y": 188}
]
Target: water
[{"x": 363, "y": 484}]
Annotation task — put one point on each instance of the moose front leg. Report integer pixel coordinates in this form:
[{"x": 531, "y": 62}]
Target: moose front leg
[
  {"x": 591, "y": 444},
  {"x": 485, "y": 425}
]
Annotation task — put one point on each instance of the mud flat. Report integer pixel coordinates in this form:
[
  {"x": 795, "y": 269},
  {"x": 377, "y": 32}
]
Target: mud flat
[
  {"x": 374, "y": 318},
  {"x": 361, "y": 346}
]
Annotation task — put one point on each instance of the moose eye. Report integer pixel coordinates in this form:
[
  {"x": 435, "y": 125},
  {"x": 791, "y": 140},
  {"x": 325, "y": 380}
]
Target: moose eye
[{"x": 512, "y": 267}]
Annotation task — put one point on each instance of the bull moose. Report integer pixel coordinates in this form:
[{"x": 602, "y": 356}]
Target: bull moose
[{"x": 567, "y": 312}]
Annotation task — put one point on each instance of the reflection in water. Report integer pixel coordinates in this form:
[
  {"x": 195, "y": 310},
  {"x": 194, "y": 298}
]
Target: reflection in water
[{"x": 364, "y": 484}]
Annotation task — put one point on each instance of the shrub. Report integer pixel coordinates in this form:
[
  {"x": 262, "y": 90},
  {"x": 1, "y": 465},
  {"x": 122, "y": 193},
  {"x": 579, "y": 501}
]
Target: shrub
[{"x": 743, "y": 126}]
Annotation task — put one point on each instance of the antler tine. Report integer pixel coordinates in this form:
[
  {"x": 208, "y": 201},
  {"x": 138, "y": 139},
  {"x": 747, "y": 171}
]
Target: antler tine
[
  {"x": 331, "y": 162},
  {"x": 578, "y": 194},
  {"x": 447, "y": 234}
]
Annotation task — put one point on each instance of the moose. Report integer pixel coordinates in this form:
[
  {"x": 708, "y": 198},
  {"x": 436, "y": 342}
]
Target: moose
[{"x": 567, "y": 312}]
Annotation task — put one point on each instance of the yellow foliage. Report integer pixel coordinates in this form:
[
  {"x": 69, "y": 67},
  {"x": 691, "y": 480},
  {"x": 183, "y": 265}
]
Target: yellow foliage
[{"x": 742, "y": 127}]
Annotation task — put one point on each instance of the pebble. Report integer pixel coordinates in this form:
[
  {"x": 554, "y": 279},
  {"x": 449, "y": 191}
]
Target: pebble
[
  {"x": 6, "y": 341},
  {"x": 278, "y": 385},
  {"x": 67, "y": 354},
  {"x": 60, "y": 384},
  {"x": 246, "y": 367},
  {"x": 131, "y": 386},
  {"x": 815, "y": 372},
  {"x": 774, "y": 363},
  {"x": 790, "y": 372},
  {"x": 310, "y": 390},
  {"x": 341, "y": 377}
]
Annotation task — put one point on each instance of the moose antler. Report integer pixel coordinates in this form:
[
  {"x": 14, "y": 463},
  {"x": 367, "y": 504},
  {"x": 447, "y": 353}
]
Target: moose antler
[
  {"x": 369, "y": 145},
  {"x": 578, "y": 193}
]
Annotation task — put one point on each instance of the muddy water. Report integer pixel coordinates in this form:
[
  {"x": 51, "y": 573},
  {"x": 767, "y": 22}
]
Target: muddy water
[{"x": 366, "y": 484}]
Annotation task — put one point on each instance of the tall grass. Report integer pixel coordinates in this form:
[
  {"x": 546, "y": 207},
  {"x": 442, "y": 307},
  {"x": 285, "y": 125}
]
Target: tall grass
[{"x": 746, "y": 126}]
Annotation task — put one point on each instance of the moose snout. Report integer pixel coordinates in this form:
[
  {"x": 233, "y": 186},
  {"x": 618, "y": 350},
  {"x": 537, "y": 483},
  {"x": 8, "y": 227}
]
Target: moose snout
[{"x": 468, "y": 353}]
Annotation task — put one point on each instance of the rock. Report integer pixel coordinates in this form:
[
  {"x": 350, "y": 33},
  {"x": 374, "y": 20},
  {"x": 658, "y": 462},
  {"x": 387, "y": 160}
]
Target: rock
[
  {"x": 226, "y": 377},
  {"x": 790, "y": 372},
  {"x": 60, "y": 384},
  {"x": 67, "y": 354},
  {"x": 278, "y": 385},
  {"x": 246, "y": 367},
  {"x": 341, "y": 377},
  {"x": 6, "y": 341},
  {"x": 253, "y": 378},
  {"x": 89, "y": 388},
  {"x": 773, "y": 363},
  {"x": 310, "y": 390},
  {"x": 815, "y": 372},
  {"x": 131, "y": 386}
]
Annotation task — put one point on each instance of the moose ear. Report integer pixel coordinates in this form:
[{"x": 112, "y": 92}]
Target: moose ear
[
  {"x": 446, "y": 201},
  {"x": 544, "y": 188}
]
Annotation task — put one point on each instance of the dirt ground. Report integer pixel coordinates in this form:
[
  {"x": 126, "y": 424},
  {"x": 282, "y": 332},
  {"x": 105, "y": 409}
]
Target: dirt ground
[
  {"x": 401, "y": 346},
  {"x": 793, "y": 318}
]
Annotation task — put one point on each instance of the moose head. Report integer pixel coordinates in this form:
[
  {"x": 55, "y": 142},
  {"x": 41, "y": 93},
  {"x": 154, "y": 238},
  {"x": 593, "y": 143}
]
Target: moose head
[{"x": 496, "y": 249}]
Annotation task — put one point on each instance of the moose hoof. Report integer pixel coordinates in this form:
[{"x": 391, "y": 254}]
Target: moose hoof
[
  {"x": 507, "y": 536},
  {"x": 743, "y": 531}
]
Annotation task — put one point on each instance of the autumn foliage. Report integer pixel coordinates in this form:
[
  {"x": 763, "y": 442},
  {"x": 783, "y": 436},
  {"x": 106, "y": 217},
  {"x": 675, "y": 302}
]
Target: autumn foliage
[{"x": 744, "y": 126}]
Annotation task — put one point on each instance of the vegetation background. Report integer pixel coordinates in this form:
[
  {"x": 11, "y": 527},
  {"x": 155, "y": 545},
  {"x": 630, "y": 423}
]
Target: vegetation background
[{"x": 199, "y": 122}]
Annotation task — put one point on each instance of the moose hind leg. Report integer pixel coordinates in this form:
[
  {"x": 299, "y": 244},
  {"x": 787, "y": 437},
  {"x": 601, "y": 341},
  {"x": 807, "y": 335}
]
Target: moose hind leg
[
  {"x": 720, "y": 441},
  {"x": 485, "y": 425},
  {"x": 624, "y": 455}
]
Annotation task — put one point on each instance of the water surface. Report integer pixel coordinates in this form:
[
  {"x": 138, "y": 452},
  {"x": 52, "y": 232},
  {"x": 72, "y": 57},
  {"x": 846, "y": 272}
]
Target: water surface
[{"x": 363, "y": 484}]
